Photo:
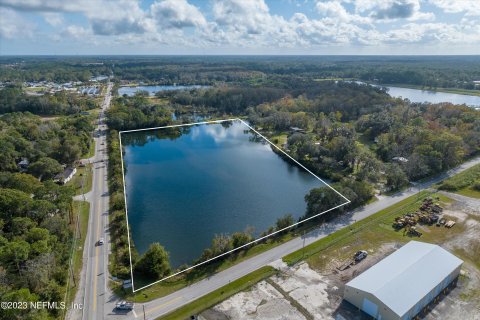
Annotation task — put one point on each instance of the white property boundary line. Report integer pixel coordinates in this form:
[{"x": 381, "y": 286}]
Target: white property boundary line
[{"x": 245, "y": 245}]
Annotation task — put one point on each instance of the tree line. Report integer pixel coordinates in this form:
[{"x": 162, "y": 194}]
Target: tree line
[
  {"x": 266, "y": 71},
  {"x": 14, "y": 99},
  {"x": 46, "y": 145},
  {"x": 36, "y": 218}
]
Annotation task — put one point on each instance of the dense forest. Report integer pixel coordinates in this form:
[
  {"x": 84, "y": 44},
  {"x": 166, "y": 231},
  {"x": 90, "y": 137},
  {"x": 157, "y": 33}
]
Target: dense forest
[
  {"x": 424, "y": 71},
  {"x": 36, "y": 213},
  {"x": 137, "y": 112},
  {"x": 14, "y": 99}
]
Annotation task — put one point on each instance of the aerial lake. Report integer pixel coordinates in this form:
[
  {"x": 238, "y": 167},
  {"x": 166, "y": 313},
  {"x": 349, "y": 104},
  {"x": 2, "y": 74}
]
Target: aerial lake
[
  {"x": 130, "y": 91},
  {"x": 186, "y": 185},
  {"x": 416, "y": 95}
]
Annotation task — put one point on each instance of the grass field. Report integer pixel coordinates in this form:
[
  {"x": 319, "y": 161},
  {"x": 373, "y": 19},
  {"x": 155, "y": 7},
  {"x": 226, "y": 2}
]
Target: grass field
[
  {"x": 365, "y": 233},
  {"x": 91, "y": 150},
  {"x": 83, "y": 176},
  {"x": 81, "y": 211},
  {"x": 279, "y": 140},
  {"x": 469, "y": 192},
  {"x": 35, "y": 89},
  {"x": 463, "y": 183},
  {"x": 220, "y": 294}
]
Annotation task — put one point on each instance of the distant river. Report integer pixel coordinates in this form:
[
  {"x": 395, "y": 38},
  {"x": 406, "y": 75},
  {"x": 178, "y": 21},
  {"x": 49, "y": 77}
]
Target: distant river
[
  {"x": 211, "y": 179},
  {"x": 130, "y": 91},
  {"x": 416, "y": 95}
]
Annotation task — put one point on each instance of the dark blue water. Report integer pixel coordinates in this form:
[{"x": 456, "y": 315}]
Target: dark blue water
[
  {"x": 130, "y": 91},
  {"x": 210, "y": 180}
]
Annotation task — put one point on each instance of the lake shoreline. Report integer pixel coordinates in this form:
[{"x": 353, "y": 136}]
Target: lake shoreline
[{"x": 465, "y": 92}]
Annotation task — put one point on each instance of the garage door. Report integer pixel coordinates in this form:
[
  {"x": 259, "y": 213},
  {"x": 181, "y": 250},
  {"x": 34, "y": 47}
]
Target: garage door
[{"x": 370, "y": 307}]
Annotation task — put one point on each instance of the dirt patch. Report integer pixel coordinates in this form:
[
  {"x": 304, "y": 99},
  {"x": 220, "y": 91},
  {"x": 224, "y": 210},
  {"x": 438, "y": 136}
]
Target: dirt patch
[
  {"x": 263, "y": 301},
  {"x": 308, "y": 288}
]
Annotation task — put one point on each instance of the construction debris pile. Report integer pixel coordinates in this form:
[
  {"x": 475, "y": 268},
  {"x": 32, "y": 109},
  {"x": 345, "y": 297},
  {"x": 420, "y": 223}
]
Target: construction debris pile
[{"x": 428, "y": 214}]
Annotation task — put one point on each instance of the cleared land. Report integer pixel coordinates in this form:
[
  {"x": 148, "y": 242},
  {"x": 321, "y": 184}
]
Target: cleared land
[{"x": 314, "y": 288}]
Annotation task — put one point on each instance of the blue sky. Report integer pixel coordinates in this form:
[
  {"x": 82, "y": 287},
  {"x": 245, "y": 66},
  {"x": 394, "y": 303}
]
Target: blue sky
[{"x": 240, "y": 27}]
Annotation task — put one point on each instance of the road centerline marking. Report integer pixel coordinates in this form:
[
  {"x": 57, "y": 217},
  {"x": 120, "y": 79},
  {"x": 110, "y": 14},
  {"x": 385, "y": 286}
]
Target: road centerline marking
[{"x": 163, "y": 304}]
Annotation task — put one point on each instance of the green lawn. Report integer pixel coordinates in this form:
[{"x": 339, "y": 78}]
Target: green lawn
[
  {"x": 91, "y": 150},
  {"x": 279, "y": 140},
  {"x": 365, "y": 233},
  {"x": 81, "y": 211},
  {"x": 35, "y": 89},
  {"x": 469, "y": 192},
  {"x": 83, "y": 177},
  {"x": 463, "y": 182},
  {"x": 214, "y": 297}
]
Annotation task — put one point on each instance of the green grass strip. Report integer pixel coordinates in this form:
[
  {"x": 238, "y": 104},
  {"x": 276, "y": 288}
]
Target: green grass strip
[{"x": 331, "y": 239}]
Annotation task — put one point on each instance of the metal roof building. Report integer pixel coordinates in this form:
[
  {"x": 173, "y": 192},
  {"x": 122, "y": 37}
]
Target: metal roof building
[{"x": 402, "y": 284}]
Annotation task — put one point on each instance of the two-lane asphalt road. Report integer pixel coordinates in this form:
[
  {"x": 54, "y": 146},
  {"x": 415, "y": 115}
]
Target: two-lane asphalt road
[{"x": 93, "y": 285}]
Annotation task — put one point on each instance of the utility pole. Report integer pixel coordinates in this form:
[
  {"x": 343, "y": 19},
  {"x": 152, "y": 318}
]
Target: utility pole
[
  {"x": 73, "y": 276},
  {"x": 78, "y": 224},
  {"x": 144, "y": 316},
  {"x": 303, "y": 247}
]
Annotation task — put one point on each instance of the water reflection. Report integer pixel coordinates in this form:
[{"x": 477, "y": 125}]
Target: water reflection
[{"x": 197, "y": 181}]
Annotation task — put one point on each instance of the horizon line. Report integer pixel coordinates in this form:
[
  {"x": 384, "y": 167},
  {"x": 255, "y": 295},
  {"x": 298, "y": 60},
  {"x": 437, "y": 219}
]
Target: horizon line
[{"x": 234, "y": 55}]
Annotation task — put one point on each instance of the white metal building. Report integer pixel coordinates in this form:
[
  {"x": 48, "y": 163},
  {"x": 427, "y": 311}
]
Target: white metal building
[{"x": 402, "y": 284}]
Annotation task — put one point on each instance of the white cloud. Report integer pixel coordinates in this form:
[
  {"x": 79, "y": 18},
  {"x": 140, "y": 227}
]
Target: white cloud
[
  {"x": 177, "y": 14},
  {"x": 392, "y": 9},
  {"x": 470, "y": 7},
  {"x": 428, "y": 33},
  {"x": 335, "y": 10},
  {"x": 247, "y": 24},
  {"x": 54, "y": 19},
  {"x": 12, "y": 25},
  {"x": 76, "y": 32},
  {"x": 250, "y": 16},
  {"x": 106, "y": 16}
]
